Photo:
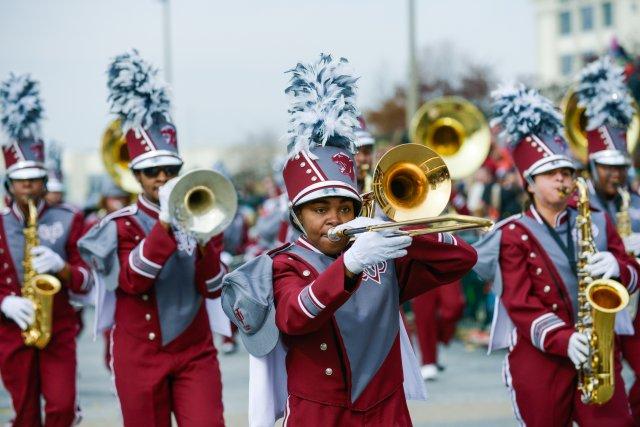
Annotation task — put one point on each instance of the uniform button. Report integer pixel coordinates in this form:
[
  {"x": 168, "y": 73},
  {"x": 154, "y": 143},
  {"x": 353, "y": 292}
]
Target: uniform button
[
  {"x": 532, "y": 254},
  {"x": 306, "y": 273},
  {"x": 546, "y": 289},
  {"x": 127, "y": 223},
  {"x": 13, "y": 293},
  {"x": 323, "y": 346},
  {"x": 147, "y": 317},
  {"x": 524, "y": 237},
  {"x": 5, "y": 265},
  {"x": 145, "y": 297},
  {"x": 308, "y": 171},
  {"x": 554, "y": 307},
  {"x": 1, "y": 251},
  {"x": 512, "y": 226},
  {"x": 137, "y": 238},
  {"x": 152, "y": 336},
  {"x": 8, "y": 279},
  {"x": 328, "y": 372},
  {"x": 538, "y": 271}
]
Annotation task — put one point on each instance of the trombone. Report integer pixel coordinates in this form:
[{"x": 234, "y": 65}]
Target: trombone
[{"x": 411, "y": 184}]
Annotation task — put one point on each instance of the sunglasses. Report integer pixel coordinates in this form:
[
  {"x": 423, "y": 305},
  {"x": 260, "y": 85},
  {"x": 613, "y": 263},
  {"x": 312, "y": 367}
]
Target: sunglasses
[{"x": 154, "y": 171}]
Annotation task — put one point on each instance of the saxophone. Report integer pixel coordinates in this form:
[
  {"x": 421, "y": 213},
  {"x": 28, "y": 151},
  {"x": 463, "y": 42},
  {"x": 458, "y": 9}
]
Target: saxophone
[
  {"x": 37, "y": 288},
  {"x": 598, "y": 302}
]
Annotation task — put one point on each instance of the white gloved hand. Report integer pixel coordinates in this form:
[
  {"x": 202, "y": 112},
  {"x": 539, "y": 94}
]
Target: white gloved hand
[
  {"x": 373, "y": 247},
  {"x": 163, "y": 198},
  {"x": 578, "y": 349},
  {"x": 358, "y": 222},
  {"x": 632, "y": 243},
  {"x": 18, "y": 309},
  {"x": 45, "y": 260},
  {"x": 603, "y": 264}
]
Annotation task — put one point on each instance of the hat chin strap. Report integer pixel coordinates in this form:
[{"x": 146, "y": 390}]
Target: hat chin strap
[{"x": 297, "y": 220}]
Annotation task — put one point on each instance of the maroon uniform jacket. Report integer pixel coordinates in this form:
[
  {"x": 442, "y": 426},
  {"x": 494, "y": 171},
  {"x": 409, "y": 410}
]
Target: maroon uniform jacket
[{"x": 306, "y": 304}]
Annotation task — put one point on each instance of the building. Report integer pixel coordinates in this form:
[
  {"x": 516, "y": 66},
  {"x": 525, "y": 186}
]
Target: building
[{"x": 570, "y": 31}]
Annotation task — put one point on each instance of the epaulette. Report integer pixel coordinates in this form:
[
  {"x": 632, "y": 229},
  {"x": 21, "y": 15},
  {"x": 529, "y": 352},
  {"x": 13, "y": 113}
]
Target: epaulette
[
  {"x": 67, "y": 207},
  {"x": 275, "y": 251},
  {"x": 126, "y": 211},
  {"x": 506, "y": 221}
]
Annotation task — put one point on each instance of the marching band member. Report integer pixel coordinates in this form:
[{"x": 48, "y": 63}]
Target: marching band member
[
  {"x": 365, "y": 144},
  {"x": 29, "y": 373},
  {"x": 601, "y": 90},
  {"x": 55, "y": 181},
  {"x": 163, "y": 358},
  {"x": 335, "y": 305},
  {"x": 532, "y": 257}
]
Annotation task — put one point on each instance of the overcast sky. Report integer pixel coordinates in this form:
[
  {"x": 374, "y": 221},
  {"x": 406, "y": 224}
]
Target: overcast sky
[{"x": 229, "y": 56}]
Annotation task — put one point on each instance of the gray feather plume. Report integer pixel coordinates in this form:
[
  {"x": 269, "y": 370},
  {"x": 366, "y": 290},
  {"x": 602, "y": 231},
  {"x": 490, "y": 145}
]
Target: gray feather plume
[
  {"x": 136, "y": 93},
  {"x": 322, "y": 110},
  {"x": 20, "y": 107}
]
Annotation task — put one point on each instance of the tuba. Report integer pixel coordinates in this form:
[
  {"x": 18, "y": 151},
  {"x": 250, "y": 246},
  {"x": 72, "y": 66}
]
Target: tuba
[
  {"x": 411, "y": 184},
  {"x": 575, "y": 125},
  {"x": 40, "y": 289},
  {"x": 115, "y": 158},
  {"x": 202, "y": 203},
  {"x": 456, "y": 130},
  {"x": 598, "y": 302}
]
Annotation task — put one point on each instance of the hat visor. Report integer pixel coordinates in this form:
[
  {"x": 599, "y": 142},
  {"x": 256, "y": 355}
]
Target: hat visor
[
  {"x": 28, "y": 173},
  {"x": 328, "y": 192},
  {"x": 553, "y": 163},
  {"x": 265, "y": 339},
  {"x": 55, "y": 186},
  {"x": 611, "y": 158},
  {"x": 160, "y": 160}
]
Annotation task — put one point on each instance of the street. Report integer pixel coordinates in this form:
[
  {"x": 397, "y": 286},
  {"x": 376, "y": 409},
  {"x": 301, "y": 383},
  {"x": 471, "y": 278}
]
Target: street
[{"x": 468, "y": 393}]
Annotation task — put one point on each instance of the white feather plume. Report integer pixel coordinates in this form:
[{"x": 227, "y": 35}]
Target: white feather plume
[
  {"x": 520, "y": 111},
  {"x": 602, "y": 92},
  {"x": 20, "y": 107},
  {"x": 136, "y": 92},
  {"x": 323, "y": 110}
]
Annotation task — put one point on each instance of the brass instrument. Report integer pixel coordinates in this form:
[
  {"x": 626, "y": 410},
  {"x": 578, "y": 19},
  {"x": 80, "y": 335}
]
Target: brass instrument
[
  {"x": 368, "y": 209},
  {"x": 40, "y": 289},
  {"x": 598, "y": 302},
  {"x": 203, "y": 202},
  {"x": 411, "y": 184},
  {"x": 115, "y": 157},
  {"x": 456, "y": 130},
  {"x": 575, "y": 125}
]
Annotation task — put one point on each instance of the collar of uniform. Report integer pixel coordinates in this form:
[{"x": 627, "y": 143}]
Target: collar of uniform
[
  {"x": 17, "y": 212},
  {"x": 561, "y": 218},
  {"x": 148, "y": 207},
  {"x": 306, "y": 244}
]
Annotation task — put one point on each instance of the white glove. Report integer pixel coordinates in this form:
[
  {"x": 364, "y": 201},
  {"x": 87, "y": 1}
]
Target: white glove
[
  {"x": 18, "y": 309},
  {"x": 632, "y": 243},
  {"x": 603, "y": 264},
  {"x": 358, "y": 222},
  {"x": 163, "y": 196},
  {"x": 578, "y": 349},
  {"x": 373, "y": 247},
  {"x": 45, "y": 260}
]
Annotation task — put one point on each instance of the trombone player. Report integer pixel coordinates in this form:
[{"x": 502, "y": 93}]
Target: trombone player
[
  {"x": 532, "y": 257},
  {"x": 602, "y": 92},
  {"x": 163, "y": 358},
  {"x": 45, "y": 368}
]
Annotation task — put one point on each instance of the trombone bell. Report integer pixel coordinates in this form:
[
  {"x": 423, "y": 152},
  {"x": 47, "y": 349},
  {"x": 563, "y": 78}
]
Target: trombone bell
[{"x": 411, "y": 181}]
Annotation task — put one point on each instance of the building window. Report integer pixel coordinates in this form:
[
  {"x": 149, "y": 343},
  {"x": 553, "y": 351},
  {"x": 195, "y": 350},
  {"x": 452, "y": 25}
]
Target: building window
[
  {"x": 565, "y": 22},
  {"x": 607, "y": 14},
  {"x": 586, "y": 18},
  {"x": 566, "y": 65}
]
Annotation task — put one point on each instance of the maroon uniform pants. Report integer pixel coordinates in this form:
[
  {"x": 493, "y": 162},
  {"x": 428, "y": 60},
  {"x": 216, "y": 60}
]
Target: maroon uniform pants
[
  {"x": 630, "y": 346},
  {"x": 29, "y": 373},
  {"x": 153, "y": 382},
  {"x": 436, "y": 313},
  {"x": 391, "y": 412},
  {"x": 543, "y": 391}
]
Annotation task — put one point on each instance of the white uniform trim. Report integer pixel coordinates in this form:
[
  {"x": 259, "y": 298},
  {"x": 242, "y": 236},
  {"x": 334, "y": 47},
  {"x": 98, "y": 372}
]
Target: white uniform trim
[{"x": 508, "y": 381}]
